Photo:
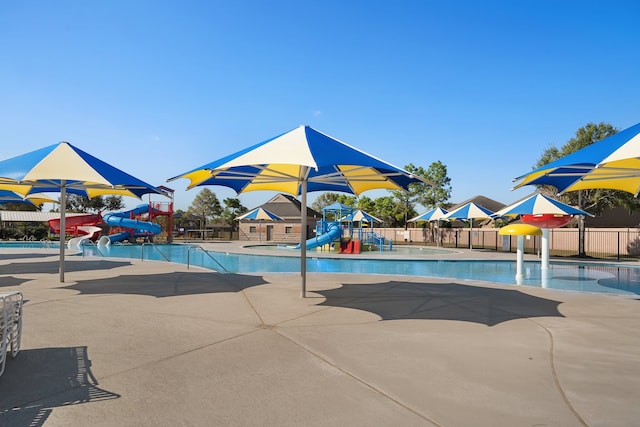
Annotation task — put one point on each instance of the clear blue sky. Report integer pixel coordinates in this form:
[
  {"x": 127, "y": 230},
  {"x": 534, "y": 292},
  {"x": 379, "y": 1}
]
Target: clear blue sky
[{"x": 157, "y": 88}]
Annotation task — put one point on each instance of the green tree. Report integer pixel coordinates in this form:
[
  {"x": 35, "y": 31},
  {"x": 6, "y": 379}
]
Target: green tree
[
  {"x": 391, "y": 210},
  {"x": 426, "y": 193},
  {"x": 20, "y": 207},
  {"x": 366, "y": 204},
  {"x": 205, "y": 206},
  {"x": 83, "y": 204},
  {"x": 233, "y": 209},
  {"x": 324, "y": 199},
  {"x": 113, "y": 203},
  {"x": 347, "y": 200},
  {"x": 436, "y": 195},
  {"x": 329, "y": 198}
]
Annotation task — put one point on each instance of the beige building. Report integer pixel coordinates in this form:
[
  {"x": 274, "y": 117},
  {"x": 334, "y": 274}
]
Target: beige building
[{"x": 286, "y": 231}]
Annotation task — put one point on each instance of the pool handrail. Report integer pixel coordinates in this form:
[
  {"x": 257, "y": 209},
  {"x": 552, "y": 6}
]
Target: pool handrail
[
  {"x": 90, "y": 243},
  {"x": 154, "y": 246},
  {"x": 224, "y": 270}
]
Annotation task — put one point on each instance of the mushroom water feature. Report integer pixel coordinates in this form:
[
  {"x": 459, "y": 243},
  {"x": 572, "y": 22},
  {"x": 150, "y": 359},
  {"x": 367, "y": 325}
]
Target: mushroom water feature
[
  {"x": 545, "y": 222},
  {"x": 543, "y": 212},
  {"x": 520, "y": 230}
]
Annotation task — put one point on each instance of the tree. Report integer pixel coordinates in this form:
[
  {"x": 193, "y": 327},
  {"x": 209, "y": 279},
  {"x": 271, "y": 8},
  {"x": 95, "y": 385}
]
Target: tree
[
  {"x": 83, "y": 204},
  {"x": 391, "y": 210},
  {"x": 437, "y": 195},
  {"x": 205, "y": 206},
  {"x": 324, "y": 199},
  {"x": 114, "y": 203},
  {"x": 233, "y": 209},
  {"x": 20, "y": 207},
  {"x": 347, "y": 200},
  {"x": 433, "y": 193},
  {"x": 366, "y": 204},
  {"x": 328, "y": 198}
]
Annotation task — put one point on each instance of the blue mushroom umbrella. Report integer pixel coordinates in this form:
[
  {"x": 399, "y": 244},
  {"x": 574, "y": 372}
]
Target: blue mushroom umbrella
[
  {"x": 469, "y": 212},
  {"x": 361, "y": 216},
  {"x": 259, "y": 214},
  {"x": 35, "y": 199},
  {"x": 63, "y": 168},
  {"x": 612, "y": 163},
  {"x": 433, "y": 215},
  {"x": 297, "y": 162},
  {"x": 541, "y": 205}
]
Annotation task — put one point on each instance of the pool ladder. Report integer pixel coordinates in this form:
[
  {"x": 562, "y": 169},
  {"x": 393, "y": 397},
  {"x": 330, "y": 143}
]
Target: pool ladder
[
  {"x": 154, "y": 247},
  {"x": 224, "y": 270},
  {"x": 88, "y": 243}
]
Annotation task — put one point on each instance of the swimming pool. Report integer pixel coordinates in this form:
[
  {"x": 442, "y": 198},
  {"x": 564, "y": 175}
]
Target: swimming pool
[
  {"x": 396, "y": 250},
  {"x": 571, "y": 276},
  {"x": 30, "y": 244}
]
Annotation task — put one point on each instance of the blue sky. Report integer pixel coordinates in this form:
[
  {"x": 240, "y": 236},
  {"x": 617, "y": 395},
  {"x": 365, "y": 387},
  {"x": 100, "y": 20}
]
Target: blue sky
[{"x": 157, "y": 88}]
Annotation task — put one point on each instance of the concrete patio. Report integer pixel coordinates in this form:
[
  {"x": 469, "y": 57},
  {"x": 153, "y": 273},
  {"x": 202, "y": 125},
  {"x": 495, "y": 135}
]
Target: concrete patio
[{"x": 130, "y": 343}]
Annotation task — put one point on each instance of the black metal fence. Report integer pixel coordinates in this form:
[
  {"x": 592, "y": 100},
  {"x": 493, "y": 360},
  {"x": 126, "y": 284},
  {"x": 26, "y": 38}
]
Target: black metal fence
[{"x": 615, "y": 244}]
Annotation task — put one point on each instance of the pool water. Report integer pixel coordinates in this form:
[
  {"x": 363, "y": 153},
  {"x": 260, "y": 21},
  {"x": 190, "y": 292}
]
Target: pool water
[
  {"x": 583, "y": 277},
  {"x": 396, "y": 250},
  {"x": 30, "y": 244}
]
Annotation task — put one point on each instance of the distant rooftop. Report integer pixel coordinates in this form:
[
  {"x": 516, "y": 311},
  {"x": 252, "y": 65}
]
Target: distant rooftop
[{"x": 31, "y": 216}]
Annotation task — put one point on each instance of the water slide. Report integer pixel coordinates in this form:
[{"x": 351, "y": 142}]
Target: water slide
[
  {"x": 124, "y": 220},
  {"x": 84, "y": 225},
  {"x": 333, "y": 233}
]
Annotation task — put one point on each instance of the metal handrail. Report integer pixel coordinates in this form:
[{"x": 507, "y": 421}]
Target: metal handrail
[
  {"x": 46, "y": 244},
  {"x": 154, "y": 246},
  {"x": 90, "y": 243},
  {"x": 207, "y": 253}
]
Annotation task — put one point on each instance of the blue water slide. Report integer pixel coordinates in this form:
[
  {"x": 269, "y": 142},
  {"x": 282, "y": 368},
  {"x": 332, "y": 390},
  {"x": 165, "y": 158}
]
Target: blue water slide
[
  {"x": 334, "y": 232},
  {"x": 117, "y": 237},
  {"x": 122, "y": 219}
]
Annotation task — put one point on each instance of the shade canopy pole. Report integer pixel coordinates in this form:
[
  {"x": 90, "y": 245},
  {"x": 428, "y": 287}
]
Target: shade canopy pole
[
  {"x": 63, "y": 226},
  {"x": 303, "y": 231}
]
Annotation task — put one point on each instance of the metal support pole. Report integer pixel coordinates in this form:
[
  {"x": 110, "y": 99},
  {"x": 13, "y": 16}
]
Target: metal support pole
[
  {"x": 63, "y": 226},
  {"x": 303, "y": 233}
]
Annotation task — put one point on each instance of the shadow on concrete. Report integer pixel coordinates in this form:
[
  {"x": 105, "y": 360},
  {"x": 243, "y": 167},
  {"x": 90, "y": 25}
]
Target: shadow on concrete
[
  {"x": 23, "y": 256},
  {"x": 11, "y": 281},
  {"x": 168, "y": 285},
  {"x": 443, "y": 301},
  {"x": 53, "y": 266},
  {"x": 39, "y": 380}
]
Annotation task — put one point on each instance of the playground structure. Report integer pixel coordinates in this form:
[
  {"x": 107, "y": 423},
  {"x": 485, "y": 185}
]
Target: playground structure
[{"x": 336, "y": 231}]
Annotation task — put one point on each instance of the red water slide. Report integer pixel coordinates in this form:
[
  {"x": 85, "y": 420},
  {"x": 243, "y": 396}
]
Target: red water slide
[{"x": 77, "y": 225}]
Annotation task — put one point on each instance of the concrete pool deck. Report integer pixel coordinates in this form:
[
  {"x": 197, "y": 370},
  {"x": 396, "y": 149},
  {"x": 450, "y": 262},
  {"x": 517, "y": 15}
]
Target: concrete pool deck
[{"x": 125, "y": 343}]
